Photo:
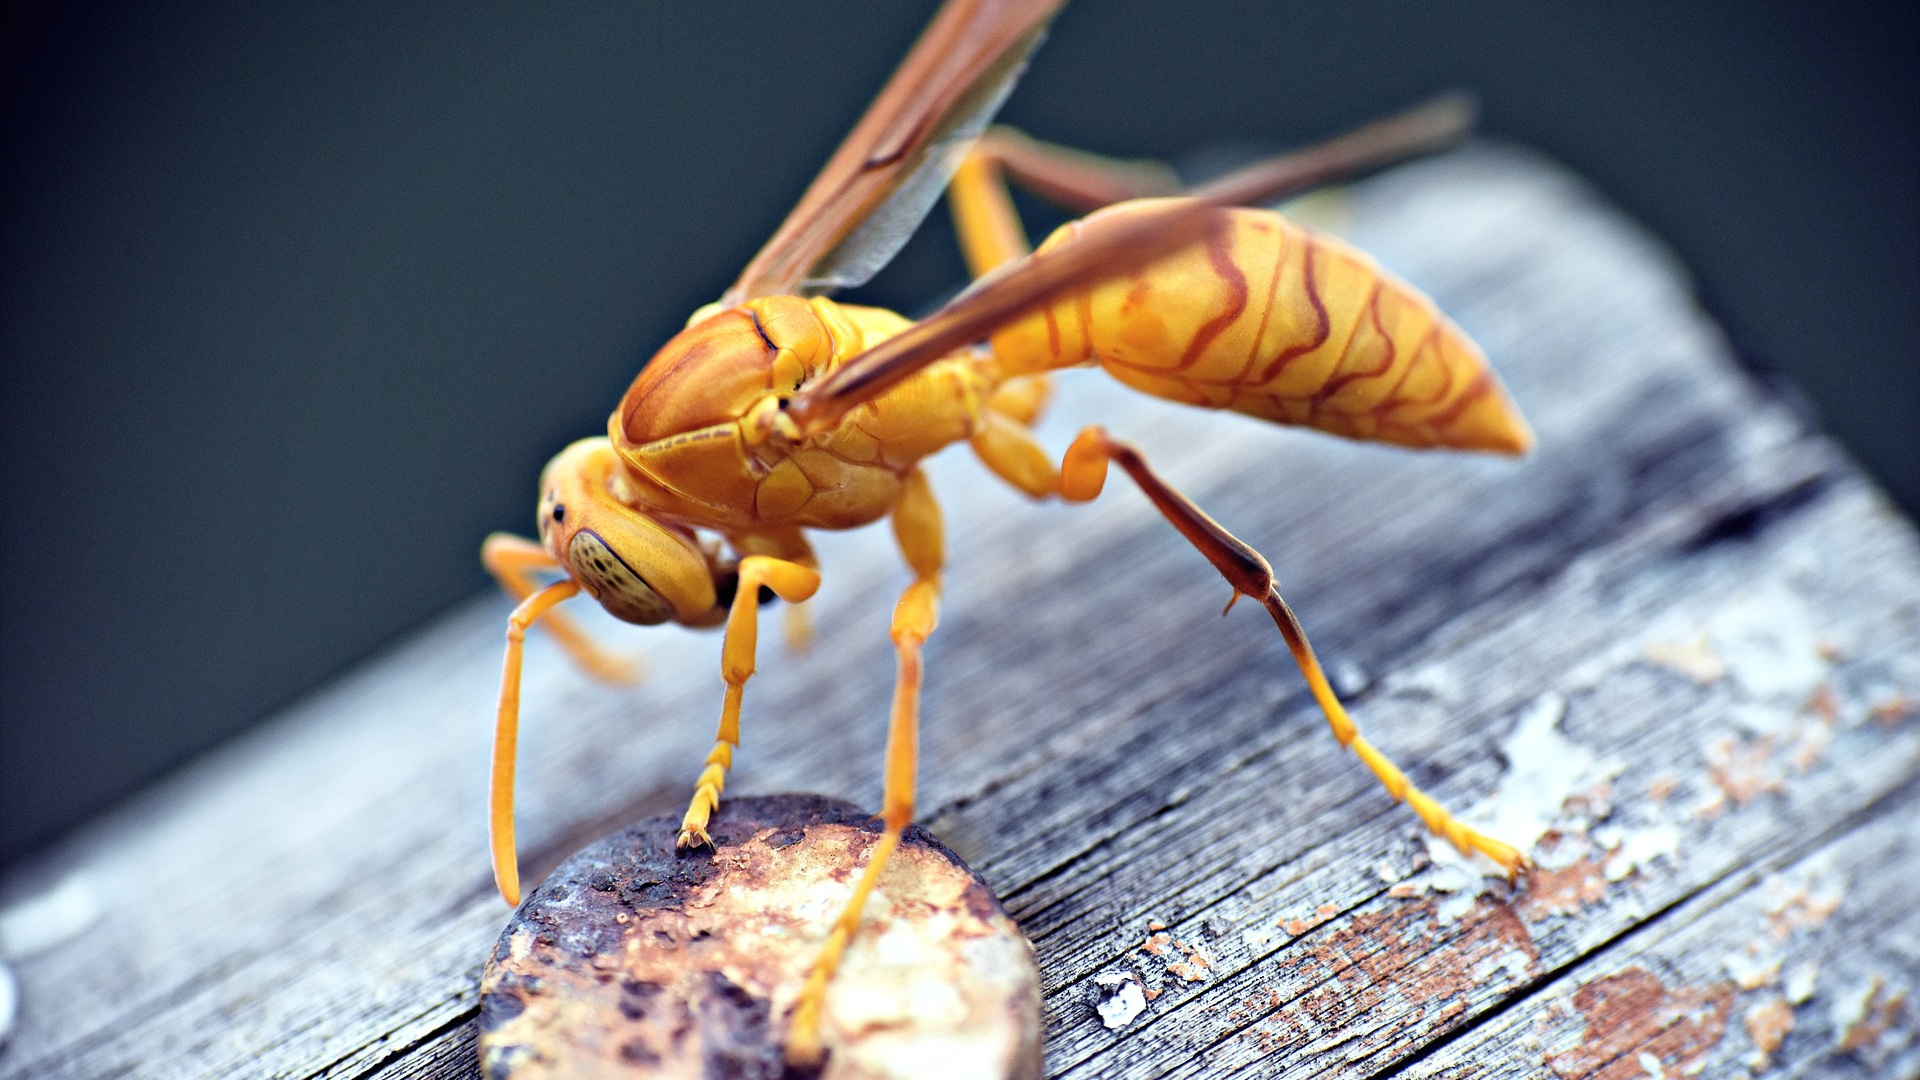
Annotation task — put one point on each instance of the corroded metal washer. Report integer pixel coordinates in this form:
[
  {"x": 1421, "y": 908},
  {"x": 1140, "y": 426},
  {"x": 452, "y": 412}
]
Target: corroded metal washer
[{"x": 634, "y": 960}]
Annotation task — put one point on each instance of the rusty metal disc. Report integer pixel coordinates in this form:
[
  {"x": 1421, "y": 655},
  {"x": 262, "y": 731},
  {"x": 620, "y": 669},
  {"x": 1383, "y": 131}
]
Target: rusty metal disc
[{"x": 634, "y": 960}]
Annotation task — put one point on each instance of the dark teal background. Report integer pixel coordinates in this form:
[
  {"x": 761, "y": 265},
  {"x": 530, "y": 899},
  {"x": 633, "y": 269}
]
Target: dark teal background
[{"x": 294, "y": 304}]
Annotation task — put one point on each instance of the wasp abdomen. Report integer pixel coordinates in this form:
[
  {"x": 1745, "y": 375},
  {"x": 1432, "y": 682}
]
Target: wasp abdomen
[{"x": 1269, "y": 319}]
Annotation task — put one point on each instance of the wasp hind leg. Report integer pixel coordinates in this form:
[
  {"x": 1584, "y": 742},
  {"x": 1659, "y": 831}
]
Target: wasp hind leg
[
  {"x": 1082, "y": 474},
  {"x": 1071, "y": 179},
  {"x": 1081, "y": 182},
  {"x": 917, "y": 527},
  {"x": 793, "y": 582}
]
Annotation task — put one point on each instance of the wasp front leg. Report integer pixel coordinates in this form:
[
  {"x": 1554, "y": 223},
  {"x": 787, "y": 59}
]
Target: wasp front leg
[
  {"x": 513, "y": 561},
  {"x": 917, "y": 527},
  {"x": 1083, "y": 473},
  {"x": 791, "y": 580},
  {"x": 506, "y": 737}
]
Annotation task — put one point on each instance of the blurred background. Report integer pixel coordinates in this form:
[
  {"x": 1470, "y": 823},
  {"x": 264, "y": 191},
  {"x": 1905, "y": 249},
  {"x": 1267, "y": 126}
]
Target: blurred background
[{"x": 294, "y": 304}]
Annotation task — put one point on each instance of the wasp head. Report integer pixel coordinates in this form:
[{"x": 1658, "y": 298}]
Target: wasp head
[{"x": 640, "y": 569}]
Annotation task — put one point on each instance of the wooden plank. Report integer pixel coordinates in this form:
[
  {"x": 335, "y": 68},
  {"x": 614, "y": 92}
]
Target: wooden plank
[{"x": 314, "y": 900}]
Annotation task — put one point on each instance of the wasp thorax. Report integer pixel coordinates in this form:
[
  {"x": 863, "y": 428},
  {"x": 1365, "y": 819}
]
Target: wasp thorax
[
  {"x": 708, "y": 374},
  {"x": 723, "y": 365}
]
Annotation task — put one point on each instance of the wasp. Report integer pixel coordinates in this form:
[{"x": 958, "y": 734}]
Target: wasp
[{"x": 778, "y": 410}]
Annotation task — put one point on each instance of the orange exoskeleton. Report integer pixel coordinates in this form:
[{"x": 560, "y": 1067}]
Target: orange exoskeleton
[{"x": 778, "y": 410}]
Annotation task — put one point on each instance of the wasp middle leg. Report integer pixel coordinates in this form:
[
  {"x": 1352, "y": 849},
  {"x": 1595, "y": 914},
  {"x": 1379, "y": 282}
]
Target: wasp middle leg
[
  {"x": 918, "y": 529},
  {"x": 791, "y": 580},
  {"x": 1081, "y": 182}
]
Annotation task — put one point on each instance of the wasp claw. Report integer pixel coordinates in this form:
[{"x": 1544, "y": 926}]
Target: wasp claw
[{"x": 693, "y": 836}]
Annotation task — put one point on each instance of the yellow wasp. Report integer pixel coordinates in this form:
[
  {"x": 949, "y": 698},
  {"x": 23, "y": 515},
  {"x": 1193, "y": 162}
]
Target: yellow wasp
[{"x": 778, "y": 410}]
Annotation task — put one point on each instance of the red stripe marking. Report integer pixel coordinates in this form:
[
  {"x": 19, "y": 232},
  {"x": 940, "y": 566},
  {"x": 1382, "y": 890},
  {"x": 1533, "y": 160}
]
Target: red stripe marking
[
  {"x": 1392, "y": 400},
  {"x": 1335, "y": 382},
  {"x": 1220, "y": 254},
  {"x": 1266, "y": 313},
  {"x": 1481, "y": 386},
  {"x": 1311, "y": 287}
]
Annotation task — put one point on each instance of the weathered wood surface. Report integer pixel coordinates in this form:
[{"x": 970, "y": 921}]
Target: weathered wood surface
[{"x": 1721, "y": 616}]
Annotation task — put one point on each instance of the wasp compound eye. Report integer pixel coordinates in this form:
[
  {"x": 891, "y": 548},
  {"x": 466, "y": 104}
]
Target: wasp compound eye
[{"x": 619, "y": 588}]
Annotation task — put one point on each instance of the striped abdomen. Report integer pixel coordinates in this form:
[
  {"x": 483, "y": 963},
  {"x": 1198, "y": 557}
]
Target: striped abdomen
[{"x": 1269, "y": 319}]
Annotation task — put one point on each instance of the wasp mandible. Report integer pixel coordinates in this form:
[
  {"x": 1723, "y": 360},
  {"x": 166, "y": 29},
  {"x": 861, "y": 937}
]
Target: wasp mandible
[{"x": 778, "y": 410}]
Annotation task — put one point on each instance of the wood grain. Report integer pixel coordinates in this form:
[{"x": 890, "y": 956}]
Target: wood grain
[{"x": 314, "y": 900}]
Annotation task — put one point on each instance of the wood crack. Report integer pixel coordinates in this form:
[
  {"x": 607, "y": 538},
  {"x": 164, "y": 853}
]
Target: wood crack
[{"x": 394, "y": 1058}]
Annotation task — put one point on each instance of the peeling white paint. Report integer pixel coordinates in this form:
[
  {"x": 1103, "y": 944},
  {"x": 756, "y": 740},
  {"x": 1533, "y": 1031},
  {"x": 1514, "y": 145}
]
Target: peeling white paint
[
  {"x": 1123, "y": 1001},
  {"x": 1762, "y": 718},
  {"x": 1544, "y": 770},
  {"x": 1559, "y": 850},
  {"x": 1549, "y": 804},
  {"x": 1806, "y": 899},
  {"x": 1751, "y": 969},
  {"x": 1799, "y": 985},
  {"x": 1770, "y": 647},
  {"x": 1460, "y": 895},
  {"x": 1630, "y": 849},
  {"x": 1514, "y": 962},
  {"x": 1850, "y": 1007}
]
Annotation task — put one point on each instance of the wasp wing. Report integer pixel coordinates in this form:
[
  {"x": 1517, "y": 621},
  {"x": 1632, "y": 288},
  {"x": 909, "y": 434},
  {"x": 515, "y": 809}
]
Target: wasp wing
[
  {"x": 893, "y": 166},
  {"x": 1104, "y": 247}
]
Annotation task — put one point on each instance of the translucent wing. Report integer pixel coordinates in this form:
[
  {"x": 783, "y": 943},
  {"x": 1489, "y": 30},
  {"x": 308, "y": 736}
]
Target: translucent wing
[
  {"x": 1105, "y": 247},
  {"x": 884, "y": 178}
]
